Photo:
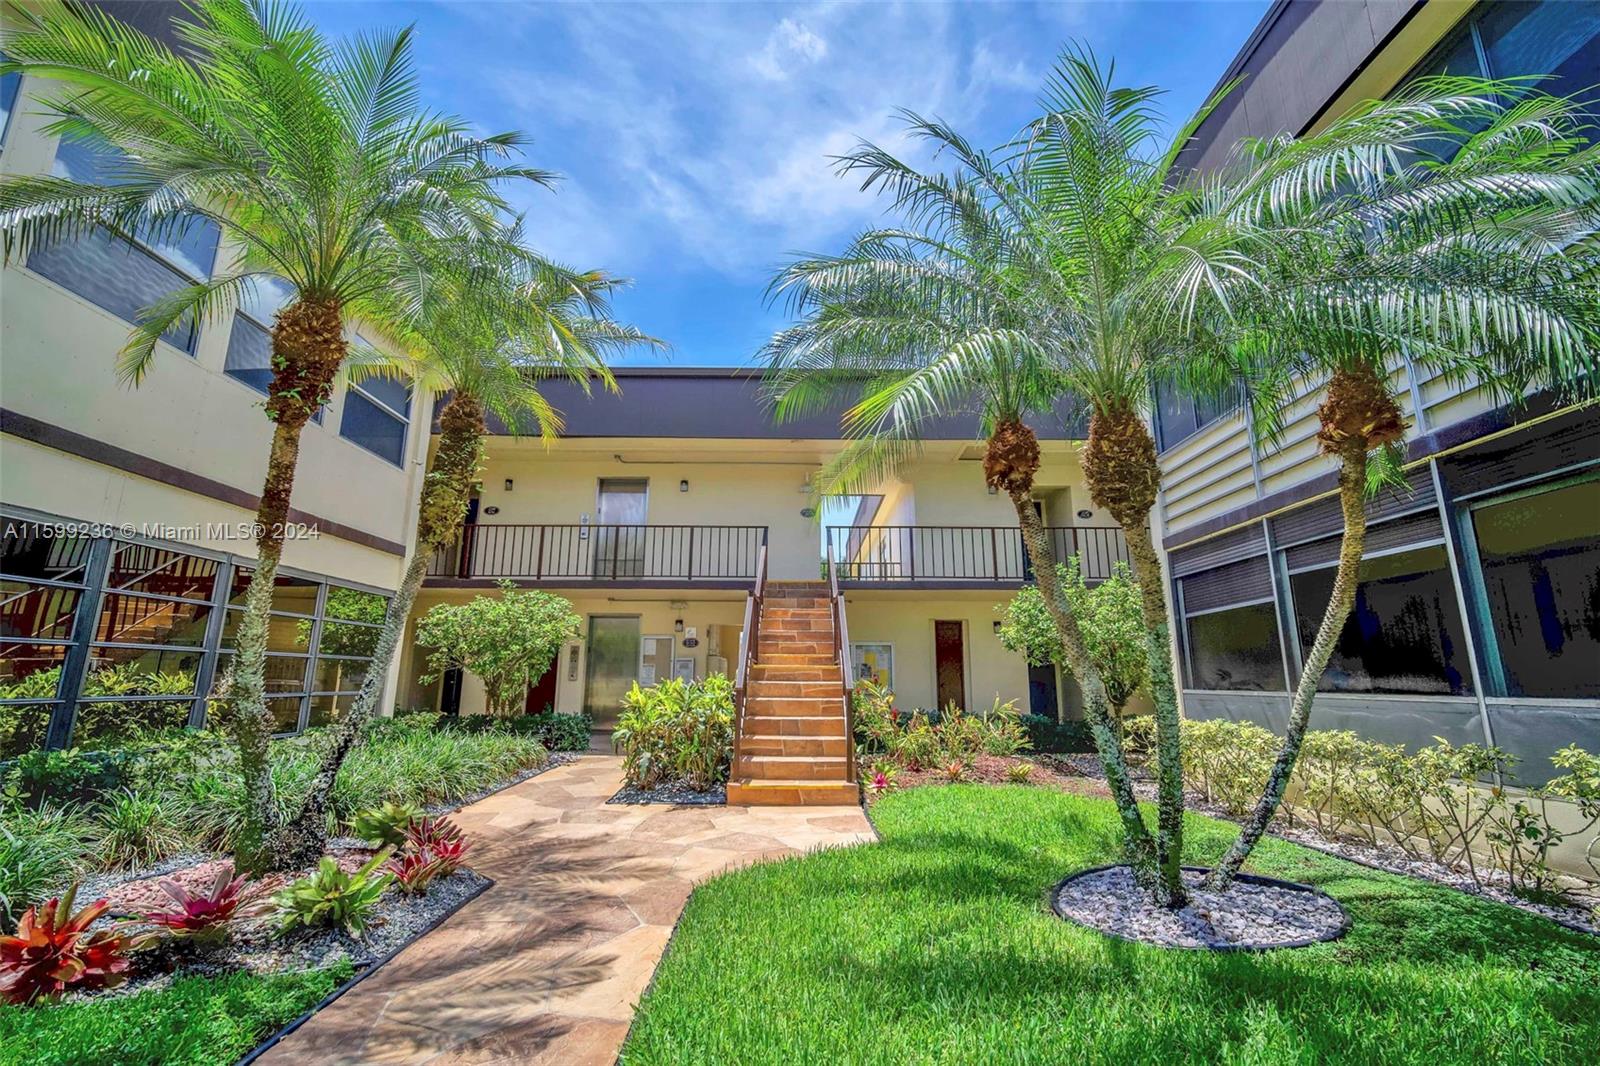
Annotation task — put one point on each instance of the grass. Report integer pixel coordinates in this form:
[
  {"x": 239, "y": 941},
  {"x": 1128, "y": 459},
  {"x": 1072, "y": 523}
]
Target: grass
[
  {"x": 937, "y": 945},
  {"x": 193, "y": 1021}
]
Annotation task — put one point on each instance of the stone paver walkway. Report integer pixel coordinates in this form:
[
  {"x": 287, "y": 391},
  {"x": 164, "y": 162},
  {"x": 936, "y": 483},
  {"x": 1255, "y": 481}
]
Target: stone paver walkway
[{"x": 547, "y": 966}]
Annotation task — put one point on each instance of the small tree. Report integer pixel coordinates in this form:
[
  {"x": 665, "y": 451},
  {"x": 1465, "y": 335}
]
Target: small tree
[
  {"x": 508, "y": 640},
  {"x": 1113, "y": 628}
]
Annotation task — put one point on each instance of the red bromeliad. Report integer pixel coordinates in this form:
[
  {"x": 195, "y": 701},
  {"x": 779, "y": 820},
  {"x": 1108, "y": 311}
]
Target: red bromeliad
[
  {"x": 53, "y": 950},
  {"x": 203, "y": 914}
]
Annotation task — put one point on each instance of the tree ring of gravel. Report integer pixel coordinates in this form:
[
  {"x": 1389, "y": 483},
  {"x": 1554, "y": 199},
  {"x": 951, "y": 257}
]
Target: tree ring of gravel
[{"x": 1256, "y": 914}]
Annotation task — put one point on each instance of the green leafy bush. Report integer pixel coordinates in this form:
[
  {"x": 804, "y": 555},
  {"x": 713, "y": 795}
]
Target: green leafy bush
[
  {"x": 1058, "y": 738},
  {"x": 1422, "y": 802},
  {"x": 333, "y": 898},
  {"x": 41, "y": 850},
  {"x": 557, "y": 732},
  {"x": 1110, "y": 616},
  {"x": 925, "y": 739},
  {"x": 677, "y": 730},
  {"x": 1000, "y": 730},
  {"x": 138, "y": 828}
]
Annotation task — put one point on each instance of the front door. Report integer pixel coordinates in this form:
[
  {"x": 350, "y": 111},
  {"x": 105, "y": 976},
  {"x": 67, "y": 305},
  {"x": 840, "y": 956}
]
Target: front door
[
  {"x": 542, "y": 693},
  {"x": 619, "y": 549},
  {"x": 614, "y": 647},
  {"x": 950, "y": 664}
]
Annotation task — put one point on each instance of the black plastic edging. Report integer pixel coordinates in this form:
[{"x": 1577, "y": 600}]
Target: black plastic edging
[
  {"x": 1253, "y": 879},
  {"x": 272, "y": 1041}
]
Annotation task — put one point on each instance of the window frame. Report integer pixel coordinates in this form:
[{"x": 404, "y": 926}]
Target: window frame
[{"x": 383, "y": 408}]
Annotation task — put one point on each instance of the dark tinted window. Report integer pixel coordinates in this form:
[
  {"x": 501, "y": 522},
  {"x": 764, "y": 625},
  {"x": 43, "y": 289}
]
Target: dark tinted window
[
  {"x": 1236, "y": 649},
  {"x": 1541, "y": 574},
  {"x": 1404, "y": 635}
]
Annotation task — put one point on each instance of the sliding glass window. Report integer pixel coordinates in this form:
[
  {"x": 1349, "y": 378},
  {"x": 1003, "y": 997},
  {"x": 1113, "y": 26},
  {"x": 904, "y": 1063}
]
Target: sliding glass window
[{"x": 42, "y": 580}]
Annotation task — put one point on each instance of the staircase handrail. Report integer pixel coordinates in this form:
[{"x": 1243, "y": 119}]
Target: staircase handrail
[
  {"x": 841, "y": 649},
  {"x": 747, "y": 655}
]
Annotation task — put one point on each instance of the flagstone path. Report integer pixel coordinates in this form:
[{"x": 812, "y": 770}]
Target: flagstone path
[{"x": 548, "y": 964}]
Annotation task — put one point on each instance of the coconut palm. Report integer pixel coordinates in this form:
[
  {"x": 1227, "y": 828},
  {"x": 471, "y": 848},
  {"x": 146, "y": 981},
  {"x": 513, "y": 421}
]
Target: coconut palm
[
  {"x": 942, "y": 315},
  {"x": 492, "y": 321},
  {"x": 1453, "y": 228},
  {"x": 313, "y": 159}
]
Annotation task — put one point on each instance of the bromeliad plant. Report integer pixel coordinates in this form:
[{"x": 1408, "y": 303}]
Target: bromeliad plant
[
  {"x": 387, "y": 825},
  {"x": 203, "y": 916},
  {"x": 434, "y": 848},
  {"x": 333, "y": 898},
  {"x": 53, "y": 951}
]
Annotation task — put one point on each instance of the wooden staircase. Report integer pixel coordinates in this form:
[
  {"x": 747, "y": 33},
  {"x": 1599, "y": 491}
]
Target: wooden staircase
[{"x": 793, "y": 745}]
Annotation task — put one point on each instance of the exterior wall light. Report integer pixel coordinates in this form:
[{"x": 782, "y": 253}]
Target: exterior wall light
[
  {"x": 683, "y": 486},
  {"x": 677, "y": 626},
  {"x": 994, "y": 491},
  {"x": 508, "y": 484},
  {"x": 997, "y": 627}
]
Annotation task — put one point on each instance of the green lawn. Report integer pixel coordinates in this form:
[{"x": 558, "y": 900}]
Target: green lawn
[
  {"x": 193, "y": 1021},
  {"x": 937, "y": 946}
]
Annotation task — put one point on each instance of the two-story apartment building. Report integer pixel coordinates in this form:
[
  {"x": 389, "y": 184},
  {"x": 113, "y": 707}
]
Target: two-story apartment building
[
  {"x": 1478, "y": 617},
  {"x": 651, "y": 513}
]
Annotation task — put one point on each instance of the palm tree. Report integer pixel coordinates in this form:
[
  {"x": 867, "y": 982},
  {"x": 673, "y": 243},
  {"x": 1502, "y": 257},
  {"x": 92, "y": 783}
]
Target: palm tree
[
  {"x": 1455, "y": 227},
  {"x": 491, "y": 322},
  {"x": 314, "y": 159},
  {"x": 943, "y": 315}
]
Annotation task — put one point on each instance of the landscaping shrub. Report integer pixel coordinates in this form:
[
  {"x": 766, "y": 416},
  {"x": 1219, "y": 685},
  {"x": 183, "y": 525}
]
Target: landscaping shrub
[
  {"x": 204, "y": 915},
  {"x": 557, "y": 732},
  {"x": 507, "y": 641},
  {"x": 138, "y": 828},
  {"x": 677, "y": 730},
  {"x": 386, "y": 824},
  {"x": 40, "y": 850},
  {"x": 1420, "y": 802},
  {"x": 924, "y": 739},
  {"x": 1057, "y": 738}
]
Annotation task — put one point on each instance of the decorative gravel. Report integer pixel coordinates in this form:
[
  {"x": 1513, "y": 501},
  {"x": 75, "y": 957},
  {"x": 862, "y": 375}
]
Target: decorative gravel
[
  {"x": 677, "y": 793},
  {"x": 1255, "y": 913}
]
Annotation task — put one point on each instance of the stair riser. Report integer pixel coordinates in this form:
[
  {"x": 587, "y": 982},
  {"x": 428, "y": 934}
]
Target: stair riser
[
  {"x": 797, "y": 690},
  {"x": 796, "y": 603},
  {"x": 800, "y": 628},
  {"x": 793, "y": 747},
  {"x": 820, "y": 795},
  {"x": 814, "y": 660},
  {"x": 794, "y": 726},
  {"x": 771, "y": 613},
  {"x": 759, "y": 768},
  {"x": 767, "y": 649},
  {"x": 765, "y": 672}
]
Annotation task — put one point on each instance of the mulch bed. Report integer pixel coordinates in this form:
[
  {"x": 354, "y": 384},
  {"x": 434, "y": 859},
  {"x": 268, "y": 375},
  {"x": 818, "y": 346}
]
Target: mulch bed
[{"x": 992, "y": 769}]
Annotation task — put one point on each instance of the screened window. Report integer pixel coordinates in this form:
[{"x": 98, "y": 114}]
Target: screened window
[
  {"x": 376, "y": 412},
  {"x": 123, "y": 276},
  {"x": 1540, "y": 558},
  {"x": 1404, "y": 636},
  {"x": 1235, "y": 649}
]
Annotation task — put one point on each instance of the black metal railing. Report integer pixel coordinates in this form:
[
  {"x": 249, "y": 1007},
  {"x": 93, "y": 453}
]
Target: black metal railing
[
  {"x": 590, "y": 552},
  {"x": 890, "y": 555}
]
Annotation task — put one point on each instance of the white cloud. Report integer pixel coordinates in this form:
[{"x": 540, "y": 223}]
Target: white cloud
[
  {"x": 673, "y": 152},
  {"x": 790, "y": 42}
]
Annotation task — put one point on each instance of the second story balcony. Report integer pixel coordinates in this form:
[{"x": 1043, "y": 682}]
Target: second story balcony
[
  {"x": 963, "y": 556},
  {"x": 601, "y": 555}
]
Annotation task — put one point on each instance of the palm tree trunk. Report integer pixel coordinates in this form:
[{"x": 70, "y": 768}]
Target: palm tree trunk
[
  {"x": 1352, "y": 501},
  {"x": 1124, "y": 477},
  {"x": 245, "y": 695},
  {"x": 447, "y": 488},
  {"x": 1137, "y": 846},
  {"x": 307, "y": 347},
  {"x": 1164, "y": 694}
]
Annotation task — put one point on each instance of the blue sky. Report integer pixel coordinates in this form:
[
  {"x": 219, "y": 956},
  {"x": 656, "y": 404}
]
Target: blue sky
[{"x": 693, "y": 139}]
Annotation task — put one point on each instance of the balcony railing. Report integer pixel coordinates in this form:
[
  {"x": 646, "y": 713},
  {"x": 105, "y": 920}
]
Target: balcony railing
[
  {"x": 978, "y": 555},
  {"x": 601, "y": 553}
]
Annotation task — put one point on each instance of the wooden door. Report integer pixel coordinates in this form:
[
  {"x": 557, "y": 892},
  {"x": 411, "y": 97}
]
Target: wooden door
[{"x": 950, "y": 664}]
